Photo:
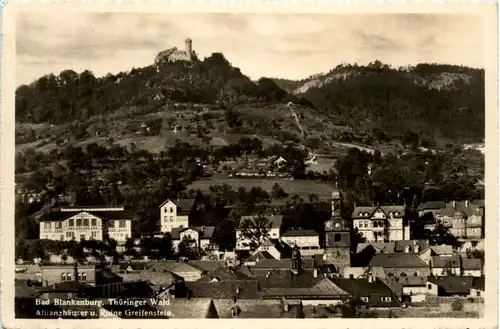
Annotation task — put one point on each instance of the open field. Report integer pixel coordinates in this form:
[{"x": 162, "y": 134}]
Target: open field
[{"x": 301, "y": 187}]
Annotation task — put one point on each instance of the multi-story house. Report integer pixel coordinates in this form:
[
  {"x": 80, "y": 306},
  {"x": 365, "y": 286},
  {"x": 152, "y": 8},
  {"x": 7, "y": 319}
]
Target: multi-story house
[
  {"x": 273, "y": 230},
  {"x": 174, "y": 213},
  {"x": 382, "y": 223},
  {"x": 199, "y": 238},
  {"x": 85, "y": 223},
  {"x": 464, "y": 220},
  {"x": 305, "y": 240}
]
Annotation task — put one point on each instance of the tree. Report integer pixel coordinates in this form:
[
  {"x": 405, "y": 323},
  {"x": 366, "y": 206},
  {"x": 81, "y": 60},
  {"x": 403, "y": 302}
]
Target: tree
[
  {"x": 255, "y": 230},
  {"x": 130, "y": 247},
  {"x": 278, "y": 192}
]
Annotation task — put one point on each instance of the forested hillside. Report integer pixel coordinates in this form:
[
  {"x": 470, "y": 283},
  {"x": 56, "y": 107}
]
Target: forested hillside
[{"x": 429, "y": 100}]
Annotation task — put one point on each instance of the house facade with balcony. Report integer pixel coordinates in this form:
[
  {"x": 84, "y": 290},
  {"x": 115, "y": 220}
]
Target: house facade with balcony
[
  {"x": 382, "y": 223},
  {"x": 86, "y": 223},
  {"x": 464, "y": 219}
]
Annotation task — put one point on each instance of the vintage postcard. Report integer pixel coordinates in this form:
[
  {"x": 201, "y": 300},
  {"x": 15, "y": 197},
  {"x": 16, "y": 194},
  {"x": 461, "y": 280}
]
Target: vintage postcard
[{"x": 249, "y": 161}]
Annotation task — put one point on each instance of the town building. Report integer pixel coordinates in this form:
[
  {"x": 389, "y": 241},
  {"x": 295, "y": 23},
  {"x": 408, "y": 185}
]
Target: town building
[
  {"x": 271, "y": 230},
  {"x": 174, "y": 213},
  {"x": 464, "y": 220},
  {"x": 400, "y": 264},
  {"x": 371, "y": 291},
  {"x": 442, "y": 250},
  {"x": 200, "y": 238},
  {"x": 85, "y": 223},
  {"x": 338, "y": 236},
  {"x": 382, "y": 223},
  {"x": 431, "y": 207},
  {"x": 448, "y": 265},
  {"x": 449, "y": 285},
  {"x": 472, "y": 267},
  {"x": 89, "y": 274},
  {"x": 306, "y": 240}
]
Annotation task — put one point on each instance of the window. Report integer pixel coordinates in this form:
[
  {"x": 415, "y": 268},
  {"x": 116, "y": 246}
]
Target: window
[
  {"x": 375, "y": 224},
  {"x": 71, "y": 222},
  {"x": 390, "y": 274},
  {"x": 336, "y": 237},
  {"x": 78, "y": 222},
  {"x": 82, "y": 237},
  {"x": 403, "y": 274},
  {"x": 46, "y": 225},
  {"x": 415, "y": 274},
  {"x": 171, "y": 218},
  {"x": 385, "y": 299},
  {"x": 126, "y": 236},
  {"x": 63, "y": 277},
  {"x": 122, "y": 224},
  {"x": 171, "y": 209},
  {"x": 429, "y": 286},
  {"x": 364, "y": 299},
  {"x": 58, "y": 225},
  {"x": 85, "y": 222},
  {"x": 478, "y": 293},
  {"x": 351, "y": 276},
  {"x": 94, "y": 234},
  {"x": 69, "y": 277},
  {"x": 61, "y": 237},
  {"x": 82, "y": 276}
]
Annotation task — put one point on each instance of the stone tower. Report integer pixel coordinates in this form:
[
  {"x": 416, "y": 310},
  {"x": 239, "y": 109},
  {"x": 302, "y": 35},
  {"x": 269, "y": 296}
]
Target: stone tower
[
  {"x": 338, "y": 235},
  {"x": 189, "y": 48}
]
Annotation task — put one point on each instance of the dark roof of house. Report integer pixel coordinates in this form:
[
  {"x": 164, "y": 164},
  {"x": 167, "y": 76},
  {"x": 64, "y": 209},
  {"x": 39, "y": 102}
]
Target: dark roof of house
[
  {"x": 385, "y": 247},
  {"x": 445, "y": 261},
  {"x": 135, "y": 266},
  {"x": 225, "y": 274},
  {"x": 206, "y": 232},
  {"x": 400, "y": 245},
  {"x": 472, "y": 264},
  {"x": 184, "y": 205},
  {"x": 286, "y": 279},
  {"x": 397, "y": 260},
  {"x": 479, "y": 203},
  {"x": 368, "y": 211},
  {"x": 397, "y": 283},
  {"x": 323, "y": 287},
  {"x": 283, "y": 263},
  {"x": 206, "y": 265},
  {"x": 197, "y": 308},
  {"x": 258, "y": 256},
  {"x": 431, "y": 205},
  {"x": 453, "y": 284},
  {"x": 23, "y": 290},
  {"x": 478, "y": 283},
  {"x": 54, "y": 216},
  {"x": 300, "y": 233},
  {"x": 247, "y": 289},
  {"x": 469, "y": 210},
  {"x": 364, "y": 288},
  {"x": 274, "y": 220}
]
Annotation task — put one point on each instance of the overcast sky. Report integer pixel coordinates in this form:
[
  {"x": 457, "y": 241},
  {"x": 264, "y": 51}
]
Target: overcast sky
[{"x": 290, "y": 46}]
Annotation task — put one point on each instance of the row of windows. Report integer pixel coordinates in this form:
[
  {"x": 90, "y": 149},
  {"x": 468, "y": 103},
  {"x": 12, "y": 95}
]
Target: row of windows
[
  {"x": 69, "y": 277},
  {"x": 171, "y": 209},
  {"x": 383, "y": 299},
  {"x": 84, "y": 221},
  {"x": 402, "y": 274},
  {"x": 165, "y": 219}
]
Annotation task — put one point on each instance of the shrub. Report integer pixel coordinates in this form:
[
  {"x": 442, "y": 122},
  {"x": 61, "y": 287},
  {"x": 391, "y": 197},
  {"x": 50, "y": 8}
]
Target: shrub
[{"x": 457, "y": 305}]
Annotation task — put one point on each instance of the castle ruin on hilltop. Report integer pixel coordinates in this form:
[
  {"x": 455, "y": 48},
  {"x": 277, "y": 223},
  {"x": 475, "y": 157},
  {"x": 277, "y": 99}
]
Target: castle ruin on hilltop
[{"x": 174, "y": 54}]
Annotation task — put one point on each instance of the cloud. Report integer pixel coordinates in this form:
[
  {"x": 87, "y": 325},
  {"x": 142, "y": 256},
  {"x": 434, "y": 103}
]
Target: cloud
[{"x": 281, "y": 45}]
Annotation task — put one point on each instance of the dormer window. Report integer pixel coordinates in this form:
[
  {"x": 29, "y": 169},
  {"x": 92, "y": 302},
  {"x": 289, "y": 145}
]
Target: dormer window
[{"x": 397, "y": 213}]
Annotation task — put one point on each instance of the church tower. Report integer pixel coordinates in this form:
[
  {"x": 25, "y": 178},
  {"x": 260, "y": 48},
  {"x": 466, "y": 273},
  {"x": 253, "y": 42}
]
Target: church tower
[{"x": 338, "y": 235}]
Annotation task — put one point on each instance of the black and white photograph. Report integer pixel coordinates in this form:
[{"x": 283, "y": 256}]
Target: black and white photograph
[{"x": 251, "y": 165}]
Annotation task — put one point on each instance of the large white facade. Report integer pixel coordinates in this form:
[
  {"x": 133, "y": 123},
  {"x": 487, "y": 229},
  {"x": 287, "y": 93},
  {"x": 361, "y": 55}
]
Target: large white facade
[
  {"x": 87, "y": 223},
  {"x": 384, "y": 223},
  {"x": 172, "y": 215}
]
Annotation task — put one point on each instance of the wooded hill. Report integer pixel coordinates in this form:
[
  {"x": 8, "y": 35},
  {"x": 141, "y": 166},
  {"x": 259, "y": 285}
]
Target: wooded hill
[{"x": 421, "y": 104}]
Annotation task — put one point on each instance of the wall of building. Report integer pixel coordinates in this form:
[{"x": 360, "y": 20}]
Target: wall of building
[
  {"x": 301, "y": 241},
  {"x": 120, "y": 230},
  {"x": 441, "y": 271},
  {"x": 67, "y": 229},
  {"x": 476, "y": 273},
  {"x": 169, "y": 218},
  {"x": 53, "y": 274}
]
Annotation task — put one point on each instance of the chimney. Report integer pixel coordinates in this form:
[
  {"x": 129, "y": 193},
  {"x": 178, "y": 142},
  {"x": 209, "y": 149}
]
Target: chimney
[
  {"x": 370, "y": 278},
  {"x": 285, "y": 304},
  {"x": 315, "y": 272},
  {"x": 454, "y": 204},
  {"x": 75, "y": 271},
  {"x": 466, "y": 203}
]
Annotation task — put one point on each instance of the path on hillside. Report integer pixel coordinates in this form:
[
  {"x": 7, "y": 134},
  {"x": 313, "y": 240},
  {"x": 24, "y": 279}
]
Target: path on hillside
[{"x": 289, "y": 106}]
